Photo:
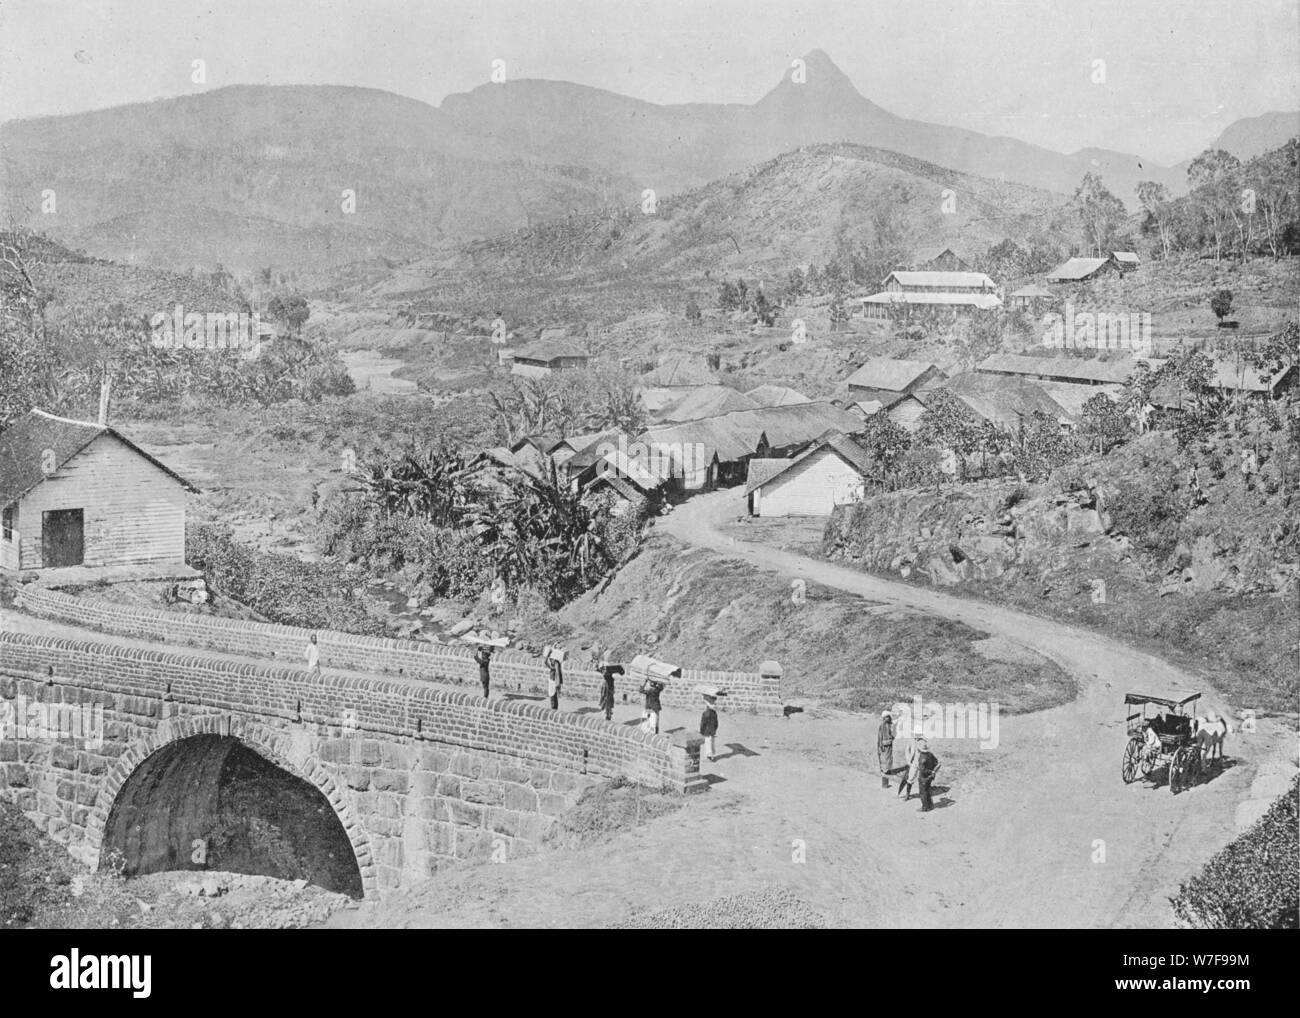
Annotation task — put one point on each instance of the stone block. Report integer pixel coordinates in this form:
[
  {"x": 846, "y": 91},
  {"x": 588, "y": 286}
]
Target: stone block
[{"x": 520, "y": 798}]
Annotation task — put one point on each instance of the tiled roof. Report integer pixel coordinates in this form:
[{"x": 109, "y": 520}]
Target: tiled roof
[{"x": 24, "y": 443}]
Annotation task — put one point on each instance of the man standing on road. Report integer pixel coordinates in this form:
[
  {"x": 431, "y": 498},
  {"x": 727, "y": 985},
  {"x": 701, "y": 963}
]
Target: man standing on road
[
  {"x": 914, "y": 750},
  {"x": 651, "y": 722},
  {"x": 484, "y": 658},
  {"x": 312, "y": 654},
  {"x": 929, "y": 767},
  {"x": 607, "y": 672},
  {"x": 885, "y": 746},
  {"x": 709, "y": 728}
]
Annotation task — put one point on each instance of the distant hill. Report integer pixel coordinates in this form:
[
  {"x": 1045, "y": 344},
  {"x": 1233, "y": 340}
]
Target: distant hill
[
  {"x": 250, "y": 176},
  {"x": 1254, "y": 136},
  {"x": 795, "y": 209}
]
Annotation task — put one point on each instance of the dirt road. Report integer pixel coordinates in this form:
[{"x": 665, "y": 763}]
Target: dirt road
[{"x": 1038, "y": 831}]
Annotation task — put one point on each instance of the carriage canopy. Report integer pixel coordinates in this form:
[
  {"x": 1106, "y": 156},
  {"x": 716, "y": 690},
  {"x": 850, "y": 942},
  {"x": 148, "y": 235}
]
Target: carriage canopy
[{"x": 1142, "y": 698}]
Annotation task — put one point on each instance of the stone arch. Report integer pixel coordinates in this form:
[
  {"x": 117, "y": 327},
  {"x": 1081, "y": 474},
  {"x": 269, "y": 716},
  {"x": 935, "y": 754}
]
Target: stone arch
[{"x": 275, "y": 745}]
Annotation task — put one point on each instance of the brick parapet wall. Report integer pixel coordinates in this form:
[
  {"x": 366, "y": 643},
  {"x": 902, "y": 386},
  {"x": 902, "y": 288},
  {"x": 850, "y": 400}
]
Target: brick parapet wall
[
  {"x": 520, "y": 729},
  {"x": 412, "y": 659}
]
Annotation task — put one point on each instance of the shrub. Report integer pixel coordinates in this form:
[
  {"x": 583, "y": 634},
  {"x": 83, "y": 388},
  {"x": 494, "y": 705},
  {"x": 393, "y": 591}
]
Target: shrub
[{"x": 1252, "y": 882}]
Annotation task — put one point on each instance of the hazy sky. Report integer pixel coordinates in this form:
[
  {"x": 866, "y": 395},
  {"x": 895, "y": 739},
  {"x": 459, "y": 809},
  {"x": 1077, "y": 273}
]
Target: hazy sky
[{"x": 1176, "y": 72}]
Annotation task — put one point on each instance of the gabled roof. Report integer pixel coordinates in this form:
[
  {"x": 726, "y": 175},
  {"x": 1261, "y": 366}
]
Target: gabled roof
[
  {"x": 776, "y": 395},
  {"x": 930, "y": 254},
  {"x": 1228, "y": 373},
  {"x": 1003, "y": 401},
  {"x": 1033, "y": 290},
  {"x": 1127, "y": 257},
  {"x": 736, "y": 435},
  {"x": 706, "y": 401},
  {"x": 1083, "y": 369},
  {"x": 892, "y": 375},
  {"x": 24, "y": 443},
  {"x": 679, "y": 371},
  {"x": 1078, "y": 268},
  {"x": 841, "y": 444},
  {"x": 933, "y": 277},
  {"x": 548, "y": 351}
]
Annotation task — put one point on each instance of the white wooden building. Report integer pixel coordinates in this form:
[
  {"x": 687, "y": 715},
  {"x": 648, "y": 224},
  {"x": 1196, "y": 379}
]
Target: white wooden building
[
  {"x": 74, "y": 493},
  {"x": 830, "y": 472}
]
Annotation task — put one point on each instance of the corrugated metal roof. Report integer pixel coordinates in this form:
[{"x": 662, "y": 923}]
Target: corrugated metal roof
[
  {"x": 983, "y": 301},
  {"x": 1002, "y": 400},
  {"x": 844, "y": 447},
  {"x": 1077, "y": 268},
  {"x": 1088, "y": 370},
  {"x": 932, "y": 277},
  {"x": 679, "y": 371},
  {"x": 548, "y": 352},
  {"x": 24, "y": 443},
  {"x": 776, "y": 395},
  {"x": 736, "y": 435},
  {"x": 706, "y": 401},
  {"x": 1128, "y": 257},
  {"x": 889, "y": 374}
]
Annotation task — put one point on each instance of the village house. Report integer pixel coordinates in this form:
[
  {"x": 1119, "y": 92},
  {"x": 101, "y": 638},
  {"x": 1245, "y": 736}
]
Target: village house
[
  {"x": 776, "y": 395},
  {"x": 938, "y": 259},
  {"x": 74, "y": 493},
  {"x": 1233, "y": 377},
  {"x": 831, "y": 471},
  {"x": 1071, "y": 370},
  {"x": 1006, "y": 402},
  {"x": 1080, "y": 270},
  {"x": 541, "y": 359},
  {"x": 904, "y": 409},
  {"x": 715, "y": 451},
  {"x": 1030, "y": 297},
  {"x": 956, "y": 292},
  {"x": 884, "y": 379}
]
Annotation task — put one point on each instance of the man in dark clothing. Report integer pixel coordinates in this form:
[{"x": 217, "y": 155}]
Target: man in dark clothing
[
  {"x": 651, "y": 722},
  {"x": 555, "y": 680},
  {"x": 929, "y": 768},
  {"x": 607, "y": 672},
  {"x": 709, "y": 728},
  {"x": 483, "y": 656}
]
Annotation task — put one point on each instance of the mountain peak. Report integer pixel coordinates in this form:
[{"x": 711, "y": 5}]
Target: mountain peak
[{"x": 818, "y": 77}]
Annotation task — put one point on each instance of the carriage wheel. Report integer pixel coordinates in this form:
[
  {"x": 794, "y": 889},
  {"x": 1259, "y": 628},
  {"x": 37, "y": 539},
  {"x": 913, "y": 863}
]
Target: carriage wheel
[
  {"x": 1178, "y": 771},
  {"x": 1132, "y": 760}
]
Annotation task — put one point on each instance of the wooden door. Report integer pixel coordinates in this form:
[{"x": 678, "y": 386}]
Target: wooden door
[{"x": 62, "y": 538}]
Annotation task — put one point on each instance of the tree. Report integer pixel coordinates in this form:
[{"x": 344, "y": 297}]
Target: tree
[
  {"x": 797, "y": 284},
  {"x": 1043, "y": 446},
  {"x": 1099, "y": 213},
  {"x": 693, "y": 313},
  {"x": 728, "y": 296},
  {"x": 1103, "y": 422},
  {"x": 1221, "y": 303},
  {"x": 1212, "y": 179},
  {"x": 1154, "y": 199},
  {"x": 291, "y": 309},
  {"x": 887, "y": 444},
  {"x": 948, "y": 423}
]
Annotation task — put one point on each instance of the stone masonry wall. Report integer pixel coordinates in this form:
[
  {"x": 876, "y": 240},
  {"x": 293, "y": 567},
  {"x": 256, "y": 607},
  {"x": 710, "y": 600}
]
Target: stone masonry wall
[
  {"x": 746, "y": 691},
  {"x": 419, "y": 777}
]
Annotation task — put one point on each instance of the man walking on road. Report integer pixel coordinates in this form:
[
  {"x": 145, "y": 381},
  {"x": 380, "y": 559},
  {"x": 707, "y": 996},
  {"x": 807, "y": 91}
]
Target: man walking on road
[
  {"x": 885, "y": 746},
  {"x": 929, "y": 767},
  {"x": 312, "y": 654},
  {"x": 709, "y": 728}
]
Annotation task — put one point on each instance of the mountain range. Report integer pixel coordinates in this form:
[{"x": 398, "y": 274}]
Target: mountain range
[{"x": 311, "y": 177}]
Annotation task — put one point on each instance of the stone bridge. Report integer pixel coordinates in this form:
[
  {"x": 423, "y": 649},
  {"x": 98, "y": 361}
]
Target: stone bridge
[{"x": 148, "y": 759}]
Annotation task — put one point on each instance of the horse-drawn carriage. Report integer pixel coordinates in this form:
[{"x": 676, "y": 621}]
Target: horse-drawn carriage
[{"x": 1165, "y": 739}]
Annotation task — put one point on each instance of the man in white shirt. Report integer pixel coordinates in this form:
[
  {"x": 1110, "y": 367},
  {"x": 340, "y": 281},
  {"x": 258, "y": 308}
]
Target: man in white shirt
[{"x": 312, "y": 654}]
